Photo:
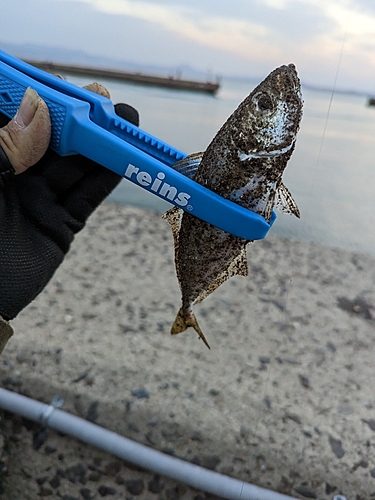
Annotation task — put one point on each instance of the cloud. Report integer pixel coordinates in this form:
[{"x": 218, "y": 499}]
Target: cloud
[
  {"x": 252, "y": 32},
  {"x": 238, "y": 37},
  {"x": 200, "y": 20}
]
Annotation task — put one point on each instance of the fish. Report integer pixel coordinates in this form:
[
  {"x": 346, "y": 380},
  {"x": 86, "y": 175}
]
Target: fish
[{"x": 244, "y": 163}]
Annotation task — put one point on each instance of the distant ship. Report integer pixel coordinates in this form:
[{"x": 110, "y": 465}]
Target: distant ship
[{"x": 371, "y": 101}]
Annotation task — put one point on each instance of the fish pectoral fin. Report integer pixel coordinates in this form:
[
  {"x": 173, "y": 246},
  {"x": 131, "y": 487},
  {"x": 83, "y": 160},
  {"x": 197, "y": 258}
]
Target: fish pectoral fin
[
  {"x": 285, "y": 202},
  {"x": 182, "y": 322},
  {"x": 188, "y": 166}
]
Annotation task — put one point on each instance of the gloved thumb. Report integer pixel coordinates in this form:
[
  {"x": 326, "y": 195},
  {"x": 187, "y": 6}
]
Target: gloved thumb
[{"x": 26, "y": 137}]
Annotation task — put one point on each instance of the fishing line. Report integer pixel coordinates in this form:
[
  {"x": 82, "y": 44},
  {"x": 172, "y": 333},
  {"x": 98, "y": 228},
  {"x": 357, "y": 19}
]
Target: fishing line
[
  {"x": 309, "y": 197},
  {"x": 318, "y": 160}
]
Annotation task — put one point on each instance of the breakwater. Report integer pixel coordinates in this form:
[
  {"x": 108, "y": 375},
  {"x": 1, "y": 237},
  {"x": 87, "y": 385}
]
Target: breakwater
[{"x": 170, "y": 82}]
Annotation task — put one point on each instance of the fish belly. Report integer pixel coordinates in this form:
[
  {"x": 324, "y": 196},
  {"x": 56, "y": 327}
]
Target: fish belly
[{"x": 205, "y": 257}]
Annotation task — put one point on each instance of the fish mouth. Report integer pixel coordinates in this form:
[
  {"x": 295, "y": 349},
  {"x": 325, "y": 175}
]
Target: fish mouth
[{"x": 289, "y": 72}]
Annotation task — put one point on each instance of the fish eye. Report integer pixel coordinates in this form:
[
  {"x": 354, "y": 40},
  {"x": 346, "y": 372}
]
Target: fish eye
[{"x": 264, "y": 103}]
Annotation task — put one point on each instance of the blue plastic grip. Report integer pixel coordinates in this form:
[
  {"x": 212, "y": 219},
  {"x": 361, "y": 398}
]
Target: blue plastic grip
[{"x": 101, "y": 112}]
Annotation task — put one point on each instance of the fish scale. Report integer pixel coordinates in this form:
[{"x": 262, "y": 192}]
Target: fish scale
[{"x": 244, "y": 162}]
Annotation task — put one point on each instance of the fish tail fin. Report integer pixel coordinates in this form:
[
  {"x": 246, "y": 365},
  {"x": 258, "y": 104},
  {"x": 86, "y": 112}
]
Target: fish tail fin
[{"x": 182, "y": 322}]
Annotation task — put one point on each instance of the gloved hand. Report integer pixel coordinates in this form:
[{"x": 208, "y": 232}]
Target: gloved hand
[{"x": 43, "y": 208}]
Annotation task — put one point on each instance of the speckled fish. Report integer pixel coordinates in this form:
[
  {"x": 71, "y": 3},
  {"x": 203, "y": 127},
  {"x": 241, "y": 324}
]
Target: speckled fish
[{"x": 244, "y": 163}]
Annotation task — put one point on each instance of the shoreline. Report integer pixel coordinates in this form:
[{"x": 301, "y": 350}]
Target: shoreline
[{"x": 283, "y": 400}]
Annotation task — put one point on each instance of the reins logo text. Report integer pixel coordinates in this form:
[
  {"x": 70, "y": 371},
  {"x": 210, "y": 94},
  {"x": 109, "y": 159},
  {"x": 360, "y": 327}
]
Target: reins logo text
[{"x": 157, "y": 185}]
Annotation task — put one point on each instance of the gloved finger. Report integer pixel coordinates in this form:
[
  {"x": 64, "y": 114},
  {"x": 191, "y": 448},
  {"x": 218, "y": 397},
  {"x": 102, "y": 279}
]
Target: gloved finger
[
  {"x": 97, "y": 183},
  {"x": 4, "y": 120},
  {"x": 127, "y": 112},
  {"x": 89, "y": 192},
  {"x": 26, "y": 137},
  {"x": 62, "y": 174},
  {"x": 97, "y": 88}
]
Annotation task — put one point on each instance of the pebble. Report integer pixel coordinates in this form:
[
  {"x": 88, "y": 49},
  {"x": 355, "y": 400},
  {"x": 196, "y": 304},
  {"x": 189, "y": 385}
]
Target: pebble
[
  {"x": 153, "y": 422},
  {"x": 210, "y": 461},
  {"x": 214, "y": 392},
  {"x": 92, "y": 413},
  {"x": 140, "y": 393},
  {"x": 362, "y": 463},
  {"x": 150, "y": 438},
  {"x": 112, "y": 468},
  {"x": 11, "y": 381},
  {"x": 135, "y": 487},
  {"x": 370, "y": 423},
  {"x": 336, "y": 446},
  {"x": 173, "y": 493},
  {"x": 41, "y": 480},
  {"x": 94, "y": 476},
  {"x": 155, "y": 485},
  {"x": 76, "y": 474},
  {"x": 372, "y": 472},
  {"x": 358, "y": 306},
  {"x": 264, "y": 360},
  {"x": 49, "y": 449},
  {"x": 330, "y": 488},
  {"x": 85, "y": 494},
  {"x": 132, "y": 466},
  {"x": 45, "y": 492},
  {"x": 267, "y": 402},
  {"x": 306, "y": 492},
  {"x": 133, "y": 427},
  {"x": 55, "y": 481},
  {"x": 331, "y": 346},
  {"x": 293, "y": 416},
  {"x": 80, "y": 377},
  {"x": 39, "y": 438},
  {"x": 197, "y": 436},
  {"x": 304, "y": 381},
  {"x": 58, "y": 355},
  {"x": 106, "y": 491},
  {"x": 244, "y": 432}
]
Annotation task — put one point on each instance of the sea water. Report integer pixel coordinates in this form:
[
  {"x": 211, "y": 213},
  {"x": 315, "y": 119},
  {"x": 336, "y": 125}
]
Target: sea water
[{"x": 331, "y": 173}]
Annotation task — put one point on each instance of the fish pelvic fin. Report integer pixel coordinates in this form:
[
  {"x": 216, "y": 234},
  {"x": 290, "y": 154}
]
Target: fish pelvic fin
[
  {"x": 183, "y": 321},
  {"x": 174, "y": 217},
  {"x": 285, "y": 202},
  {"x": 239, "y": 265},
  {"x": 189, "y": 165}
]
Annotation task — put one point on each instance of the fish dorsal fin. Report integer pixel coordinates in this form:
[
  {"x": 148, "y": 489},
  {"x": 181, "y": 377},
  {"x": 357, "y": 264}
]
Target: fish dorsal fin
[
  {"x": 188, "y": 166},
  {"x": 174, "y": 217},
  {"x": 285, "y": 202}
]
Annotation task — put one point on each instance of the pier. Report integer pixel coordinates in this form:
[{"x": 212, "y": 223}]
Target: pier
[{"x": 139, "y": 78}]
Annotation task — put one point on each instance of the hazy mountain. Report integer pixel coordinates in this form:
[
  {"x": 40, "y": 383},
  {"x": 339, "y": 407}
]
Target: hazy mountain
[{"x": 78, "y": 57}]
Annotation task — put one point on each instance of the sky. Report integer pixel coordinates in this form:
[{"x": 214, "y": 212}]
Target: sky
[{"x": 328, "y": 40}]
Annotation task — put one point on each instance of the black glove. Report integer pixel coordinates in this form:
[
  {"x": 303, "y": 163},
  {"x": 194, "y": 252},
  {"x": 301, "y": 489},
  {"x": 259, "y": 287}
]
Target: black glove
[{"x": 40, "y": 212}]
